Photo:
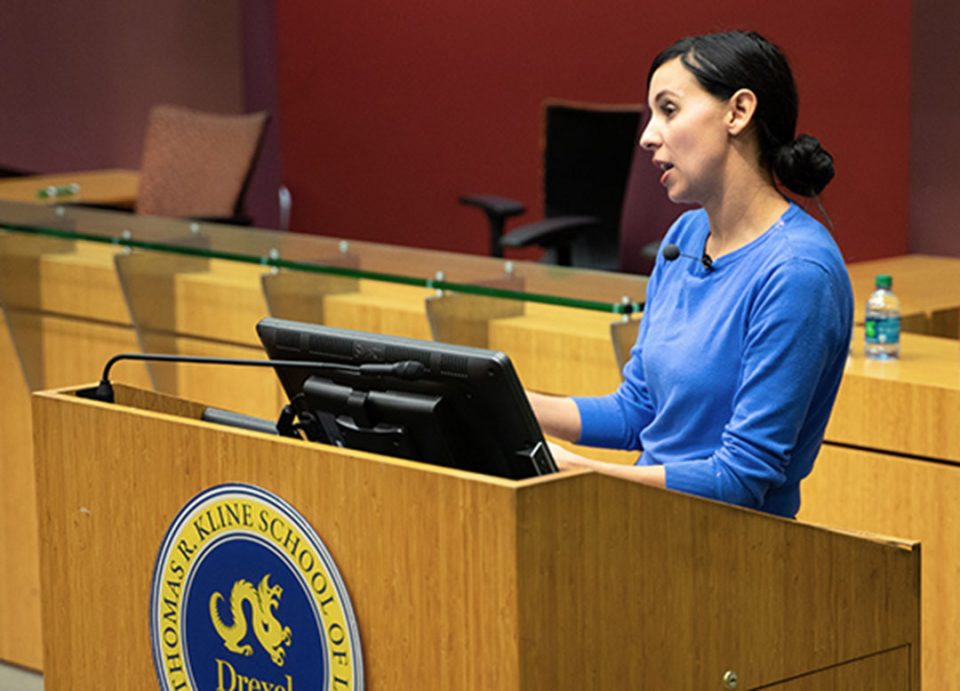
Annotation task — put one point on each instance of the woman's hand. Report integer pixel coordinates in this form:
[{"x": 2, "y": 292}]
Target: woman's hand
[
  {"x": 648, "y": 475},
  {"x": 566, "y": 459}
]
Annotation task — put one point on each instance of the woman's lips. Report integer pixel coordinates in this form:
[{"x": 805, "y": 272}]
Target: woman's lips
[{"x": 666, "y": 168}]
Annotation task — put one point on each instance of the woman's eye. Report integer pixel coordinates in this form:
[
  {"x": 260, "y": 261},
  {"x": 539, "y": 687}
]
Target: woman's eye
[{"x": 668, "y": 109}]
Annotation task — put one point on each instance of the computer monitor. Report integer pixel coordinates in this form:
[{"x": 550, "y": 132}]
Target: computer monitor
[{"x": 444, "y": 404}]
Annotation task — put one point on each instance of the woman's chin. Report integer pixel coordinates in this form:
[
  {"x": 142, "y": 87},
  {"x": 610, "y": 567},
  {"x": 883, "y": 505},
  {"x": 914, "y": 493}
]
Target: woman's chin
[{"x": 678, "y": 194}]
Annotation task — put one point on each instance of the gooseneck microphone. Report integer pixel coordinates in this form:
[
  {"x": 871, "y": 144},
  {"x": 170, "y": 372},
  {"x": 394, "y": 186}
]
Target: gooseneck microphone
[
  {"x": 671, "y": 252},
  {"x": 405, "y": 369}
]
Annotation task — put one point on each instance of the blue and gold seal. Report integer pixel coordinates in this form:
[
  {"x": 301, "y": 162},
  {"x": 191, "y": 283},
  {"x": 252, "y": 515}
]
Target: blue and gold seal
[{"x": 245, "y": 596}]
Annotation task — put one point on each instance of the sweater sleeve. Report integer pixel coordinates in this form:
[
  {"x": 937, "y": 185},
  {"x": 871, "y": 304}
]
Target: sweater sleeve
[
  {"x": 793, "y": 336},
  {"x": 616, "y": 420}
]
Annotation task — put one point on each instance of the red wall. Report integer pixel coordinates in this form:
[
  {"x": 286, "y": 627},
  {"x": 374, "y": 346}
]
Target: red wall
[
  {"x": 79, "y": 81},
  {"x": 80, "y": 77},
  {"x": 390, "y": 110},
  {"x": 935, "y": 128}
]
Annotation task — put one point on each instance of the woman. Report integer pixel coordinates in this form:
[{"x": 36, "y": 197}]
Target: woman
[{"x": 744, "y": 337}]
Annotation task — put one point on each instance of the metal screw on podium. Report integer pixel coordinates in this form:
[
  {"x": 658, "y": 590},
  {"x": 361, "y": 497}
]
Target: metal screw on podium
[
  {"x": 508, "y": 267},
  {"x": 194, "y": 228},
  {"x": 126, "y": 235},
  {"x": 60, "y": 211},
  {"x": 730, "y": 679},
  {"x": 344, "y": 247},
  {"x": 625, "y": 317},
  {"x": 438, "y": 277},
  {"x": 274, "y": 256}
]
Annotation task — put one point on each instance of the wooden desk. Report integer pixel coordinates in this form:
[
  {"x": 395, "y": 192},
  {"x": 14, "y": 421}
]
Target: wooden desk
[
  {"x": 70, "y": 315},
  {"x": 891, "y": 464},
  {"x": 465, "y": 582},
  {"x": 906, "y": 406},
  {"x": 108, "y": 187},
  {"x": 928, "y": 287}
]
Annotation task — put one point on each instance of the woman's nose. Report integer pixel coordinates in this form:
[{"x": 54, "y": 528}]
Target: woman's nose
[{"x": 648, "y": 138}]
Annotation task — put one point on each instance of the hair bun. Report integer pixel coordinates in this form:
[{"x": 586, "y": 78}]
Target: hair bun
[{"x": 803, "y": 166}]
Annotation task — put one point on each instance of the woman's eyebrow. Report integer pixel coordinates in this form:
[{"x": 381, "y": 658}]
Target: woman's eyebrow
[{"x": 662, "y": 93}]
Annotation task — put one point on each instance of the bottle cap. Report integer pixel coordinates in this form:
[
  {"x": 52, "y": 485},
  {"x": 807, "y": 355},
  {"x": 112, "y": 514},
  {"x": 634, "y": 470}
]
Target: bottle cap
[{"x": 884, "y": 281}]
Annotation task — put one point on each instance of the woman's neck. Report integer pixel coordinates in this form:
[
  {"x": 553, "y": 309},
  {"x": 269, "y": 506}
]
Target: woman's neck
[{"x": 743, "y": 212}]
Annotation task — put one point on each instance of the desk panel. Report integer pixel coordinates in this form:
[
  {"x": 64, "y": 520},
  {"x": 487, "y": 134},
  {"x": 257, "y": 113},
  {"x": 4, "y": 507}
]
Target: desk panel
[
  {"x": 109, "y": 187},
  {"x": 910, "y": 405},
  {"x": 887, "y": 494}
]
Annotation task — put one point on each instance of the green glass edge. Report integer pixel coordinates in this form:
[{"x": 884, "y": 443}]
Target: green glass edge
[{"x": 623, "y": 308}]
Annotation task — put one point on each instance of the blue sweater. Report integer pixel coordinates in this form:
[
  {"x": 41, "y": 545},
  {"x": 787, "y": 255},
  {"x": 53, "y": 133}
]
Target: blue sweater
[{"x": 736, "y": 369}]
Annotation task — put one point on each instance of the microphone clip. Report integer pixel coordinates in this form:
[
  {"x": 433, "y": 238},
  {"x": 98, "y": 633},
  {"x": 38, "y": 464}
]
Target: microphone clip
[{"x": 671, "y": 252}]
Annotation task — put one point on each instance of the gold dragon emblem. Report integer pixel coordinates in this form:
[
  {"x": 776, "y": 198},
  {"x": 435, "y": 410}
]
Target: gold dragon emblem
[{"x": 263, "y": 599}]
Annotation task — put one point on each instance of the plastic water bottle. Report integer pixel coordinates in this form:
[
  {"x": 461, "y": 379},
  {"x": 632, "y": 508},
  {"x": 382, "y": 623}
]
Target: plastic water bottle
[{"x": 883, "y": 322}]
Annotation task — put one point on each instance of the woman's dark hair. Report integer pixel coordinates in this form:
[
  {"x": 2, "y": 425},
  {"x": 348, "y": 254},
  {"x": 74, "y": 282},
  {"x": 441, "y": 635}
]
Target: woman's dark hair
[{"x": 726, "y": 62}]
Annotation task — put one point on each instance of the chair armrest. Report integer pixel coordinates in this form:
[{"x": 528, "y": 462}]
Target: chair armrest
[
  {"x": 493, "y": 205},
  {"x": 550, "y": 231},
  {"x": 557, "y": 232},
  {"x": 498, "y": 210}
]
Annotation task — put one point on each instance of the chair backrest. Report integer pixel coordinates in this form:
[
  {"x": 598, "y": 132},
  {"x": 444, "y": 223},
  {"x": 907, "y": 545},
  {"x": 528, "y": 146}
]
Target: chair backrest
[
  {"x": 587, "y": 156},
  {"x": 646, "y": 216},
  {"x": 197, "y": 164}
]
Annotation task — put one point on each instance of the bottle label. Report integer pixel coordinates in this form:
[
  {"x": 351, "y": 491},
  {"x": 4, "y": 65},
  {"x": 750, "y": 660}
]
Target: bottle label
[{"x": 883, "y": 330}]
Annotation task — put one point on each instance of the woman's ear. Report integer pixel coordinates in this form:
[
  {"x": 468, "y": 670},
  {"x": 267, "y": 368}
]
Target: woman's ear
[{"x": 743, "y": 104}]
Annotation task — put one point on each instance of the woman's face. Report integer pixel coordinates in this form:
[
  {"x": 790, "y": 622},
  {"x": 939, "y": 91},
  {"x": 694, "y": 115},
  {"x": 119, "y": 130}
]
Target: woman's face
[{"x": 688, "y": 135}]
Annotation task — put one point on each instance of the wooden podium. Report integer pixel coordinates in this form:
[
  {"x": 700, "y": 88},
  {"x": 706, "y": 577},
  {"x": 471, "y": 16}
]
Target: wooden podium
[{"x": 459, "y": 581}]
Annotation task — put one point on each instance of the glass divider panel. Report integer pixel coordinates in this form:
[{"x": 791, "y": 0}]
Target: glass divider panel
[
  {"x": 192, "y": 305},
  {"x": 389, "y": 265},
  {"x": 464, "y": 319},
  {"x": 22, "y": 296},
  {"x": 148, "y": 280},
  {"x": 302, "y": 296}
]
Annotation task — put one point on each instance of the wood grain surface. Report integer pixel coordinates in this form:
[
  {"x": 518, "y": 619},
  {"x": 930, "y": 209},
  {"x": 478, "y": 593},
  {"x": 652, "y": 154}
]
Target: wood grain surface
[{"x": 461, "y": 581}]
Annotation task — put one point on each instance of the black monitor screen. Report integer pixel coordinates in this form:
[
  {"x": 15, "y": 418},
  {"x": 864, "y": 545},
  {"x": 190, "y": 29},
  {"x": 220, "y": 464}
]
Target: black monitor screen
[{"x": 444, "y": 404}]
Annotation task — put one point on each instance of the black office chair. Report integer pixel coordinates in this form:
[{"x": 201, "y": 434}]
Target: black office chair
[
  {"x": 646, "y": 216},
  {"x": 587, "y": 156}
]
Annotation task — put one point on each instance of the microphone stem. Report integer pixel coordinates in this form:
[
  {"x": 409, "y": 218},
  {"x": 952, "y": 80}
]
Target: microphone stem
[
  {"x": 203, "y": 359},
  {"x": 405, "y": 369}
]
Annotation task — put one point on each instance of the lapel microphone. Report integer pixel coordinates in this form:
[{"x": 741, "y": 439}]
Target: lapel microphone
[{"x": 671, "y": 252}]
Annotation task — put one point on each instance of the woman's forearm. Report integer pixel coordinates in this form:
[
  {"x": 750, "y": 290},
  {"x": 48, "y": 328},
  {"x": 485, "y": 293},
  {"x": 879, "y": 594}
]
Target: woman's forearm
[{"x": 558, "y": 416}]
